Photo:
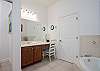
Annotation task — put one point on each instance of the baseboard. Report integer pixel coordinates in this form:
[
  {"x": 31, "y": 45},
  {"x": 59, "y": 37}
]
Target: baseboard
[{"x": 65, "y": 61}]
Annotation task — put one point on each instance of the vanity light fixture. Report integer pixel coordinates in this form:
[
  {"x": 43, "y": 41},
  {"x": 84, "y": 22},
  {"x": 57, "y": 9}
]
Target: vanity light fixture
[{"x": 29, "y": 15}]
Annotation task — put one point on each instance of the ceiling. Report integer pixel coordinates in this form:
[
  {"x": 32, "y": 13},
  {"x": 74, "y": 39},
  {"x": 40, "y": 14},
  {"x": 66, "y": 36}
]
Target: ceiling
[{"x": 39, "y": 2}]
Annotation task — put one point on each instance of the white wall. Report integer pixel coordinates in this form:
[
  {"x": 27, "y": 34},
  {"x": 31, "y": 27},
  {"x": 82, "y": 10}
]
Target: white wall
[
  {"x": 41, "y": 11},
  {"x": 57, "y": 10},
  {"x": 12, "y": 44},
  {"x": 88, "y": 10},
  {"x": 16, "y": 37},
  {"x": 89, "y": 16},
  {"x": 4, "y": 36},
  {"x": 42, "y": 14},
  {"x": 5, "y": 64}
]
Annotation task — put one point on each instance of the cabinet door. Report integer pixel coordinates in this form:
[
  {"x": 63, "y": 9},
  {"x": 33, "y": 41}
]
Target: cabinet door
[
  {"x": 26, "y": 56},
  {"x": 37, "y": 53}
]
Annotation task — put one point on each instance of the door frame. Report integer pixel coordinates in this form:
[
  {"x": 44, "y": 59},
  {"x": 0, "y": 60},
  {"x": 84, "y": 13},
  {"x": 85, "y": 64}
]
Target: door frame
[{"x": 59, "y": 41}]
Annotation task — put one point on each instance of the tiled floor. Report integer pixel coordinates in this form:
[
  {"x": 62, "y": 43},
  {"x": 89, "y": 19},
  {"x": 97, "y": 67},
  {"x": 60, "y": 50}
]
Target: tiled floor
[{"x": 56, "y": 65}]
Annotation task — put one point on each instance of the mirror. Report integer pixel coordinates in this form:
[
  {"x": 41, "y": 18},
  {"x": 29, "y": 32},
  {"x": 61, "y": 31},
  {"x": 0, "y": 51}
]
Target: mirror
[{"x": 33, "y": 31}]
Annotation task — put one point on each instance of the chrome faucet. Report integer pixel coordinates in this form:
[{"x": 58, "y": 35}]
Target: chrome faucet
[{"x": 87, "y": 55}]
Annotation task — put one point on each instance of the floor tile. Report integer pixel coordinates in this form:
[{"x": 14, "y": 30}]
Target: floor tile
[{"x": 56, "y": 65}]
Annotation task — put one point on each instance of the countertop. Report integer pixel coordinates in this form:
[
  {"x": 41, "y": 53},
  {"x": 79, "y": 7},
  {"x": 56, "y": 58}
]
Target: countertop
[{"x": 32, "y": 43}]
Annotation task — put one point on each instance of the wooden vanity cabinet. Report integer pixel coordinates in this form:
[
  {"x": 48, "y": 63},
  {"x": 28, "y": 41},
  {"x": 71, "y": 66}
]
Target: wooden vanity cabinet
[
  {"x": 37, "y": 53},
  {"x": 31, "y": 54},
  {"x": 26, "y": 56}
]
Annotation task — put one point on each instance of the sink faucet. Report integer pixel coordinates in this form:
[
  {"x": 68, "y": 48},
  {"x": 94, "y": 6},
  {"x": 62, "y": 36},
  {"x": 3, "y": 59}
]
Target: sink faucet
[{"x": 87, "y": 55}]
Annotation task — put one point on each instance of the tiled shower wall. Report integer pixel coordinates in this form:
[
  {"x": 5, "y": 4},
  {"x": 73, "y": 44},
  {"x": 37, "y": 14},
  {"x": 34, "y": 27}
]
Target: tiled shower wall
[{"x": 90, "y": 45}]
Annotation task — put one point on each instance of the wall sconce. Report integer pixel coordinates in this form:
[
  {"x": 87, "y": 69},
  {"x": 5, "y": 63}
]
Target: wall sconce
[
  {"x": 52, "y": 27},
  {"x": 44, "y": 28}
]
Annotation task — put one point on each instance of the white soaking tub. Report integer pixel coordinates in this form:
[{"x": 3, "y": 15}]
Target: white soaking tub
[{"x": 89, "y": 63}]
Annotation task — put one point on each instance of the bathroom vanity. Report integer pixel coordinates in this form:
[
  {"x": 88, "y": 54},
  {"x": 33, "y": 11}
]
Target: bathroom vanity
[{"x": 31, "y": 52}]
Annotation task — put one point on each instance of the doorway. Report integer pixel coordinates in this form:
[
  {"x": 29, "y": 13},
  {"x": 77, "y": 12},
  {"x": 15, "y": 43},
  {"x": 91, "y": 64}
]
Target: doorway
[{"x": 68, "y": 38}]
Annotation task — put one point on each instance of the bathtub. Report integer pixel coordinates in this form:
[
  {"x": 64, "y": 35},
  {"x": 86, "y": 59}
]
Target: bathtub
[{"x": 89, "y": 64}]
